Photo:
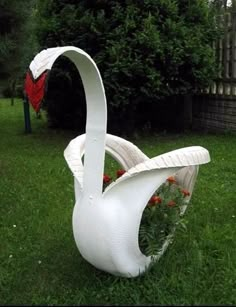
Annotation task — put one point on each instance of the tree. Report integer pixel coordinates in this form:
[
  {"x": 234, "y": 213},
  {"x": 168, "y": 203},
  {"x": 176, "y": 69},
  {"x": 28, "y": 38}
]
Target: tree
[
  {"x": 146, "y": 50},
  {"x": 14, "y": 39}
]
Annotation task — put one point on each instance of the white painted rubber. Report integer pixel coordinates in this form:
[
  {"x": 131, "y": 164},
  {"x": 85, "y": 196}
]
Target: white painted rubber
[{"x": 106, "y": 224}]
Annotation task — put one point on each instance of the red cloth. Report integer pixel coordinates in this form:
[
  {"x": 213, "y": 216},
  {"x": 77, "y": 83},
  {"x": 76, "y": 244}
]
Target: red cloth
[{"x": 35, "y": 89}]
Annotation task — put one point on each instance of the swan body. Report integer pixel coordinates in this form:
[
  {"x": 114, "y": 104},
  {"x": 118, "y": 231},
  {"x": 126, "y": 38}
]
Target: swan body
[{"x": 106, "y": 224}]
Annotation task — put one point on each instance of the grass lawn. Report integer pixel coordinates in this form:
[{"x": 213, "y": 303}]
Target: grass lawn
[{"x": 39, "y": 261}]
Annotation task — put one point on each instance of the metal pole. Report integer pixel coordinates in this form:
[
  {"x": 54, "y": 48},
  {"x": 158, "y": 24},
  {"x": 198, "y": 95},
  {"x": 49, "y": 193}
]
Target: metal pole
[{"x": 27, "y": 115}]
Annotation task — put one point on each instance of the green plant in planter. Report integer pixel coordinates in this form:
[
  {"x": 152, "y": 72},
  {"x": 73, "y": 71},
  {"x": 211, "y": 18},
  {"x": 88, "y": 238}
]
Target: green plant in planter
[{"x": 161, "y": 215}]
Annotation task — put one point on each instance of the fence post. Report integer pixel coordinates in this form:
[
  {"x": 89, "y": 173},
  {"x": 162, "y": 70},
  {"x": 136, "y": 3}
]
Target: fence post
[
  {"x": 27, "y": 115},
  {"x": 188, "y": 112}
]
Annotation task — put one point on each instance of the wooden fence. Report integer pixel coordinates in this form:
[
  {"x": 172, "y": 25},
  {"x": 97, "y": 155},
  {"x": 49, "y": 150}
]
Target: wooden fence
[{"x": 215, "y": 108}]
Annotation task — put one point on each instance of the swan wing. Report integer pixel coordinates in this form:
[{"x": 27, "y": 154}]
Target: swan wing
[
  {"x": 124, "y": 152},
  {"x": 147, "y": 176}
]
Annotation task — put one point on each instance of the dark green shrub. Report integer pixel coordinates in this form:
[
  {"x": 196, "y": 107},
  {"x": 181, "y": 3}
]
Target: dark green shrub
[
  {"x": 19, "y": 91},
  {"x": 64, "y": 101},
  {"x": 7, "y": 92},
  {"x": 147, "y": 51},
  {"x": 10, "y": 92}
]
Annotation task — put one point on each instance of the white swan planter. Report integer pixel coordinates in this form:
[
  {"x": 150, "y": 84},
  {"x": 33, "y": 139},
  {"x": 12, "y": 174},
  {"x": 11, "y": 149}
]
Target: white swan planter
[{"x": 106, "y": 224}]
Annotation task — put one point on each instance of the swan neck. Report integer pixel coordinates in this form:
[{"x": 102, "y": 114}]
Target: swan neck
[{"x": 96, "y": 123}]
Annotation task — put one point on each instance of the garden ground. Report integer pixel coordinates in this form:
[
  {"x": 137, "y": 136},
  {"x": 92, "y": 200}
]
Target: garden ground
[{"x": 40, "y": 263}]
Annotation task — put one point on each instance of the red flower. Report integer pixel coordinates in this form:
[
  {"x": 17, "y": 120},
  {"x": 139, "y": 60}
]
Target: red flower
[
  {"x": 171, "y": 203},
  {"x": 106, "y": 178},
  {"x": 120, "y": 172},
  {"x": 185, "y": 192},
  {"x": 171, "y": 179},
  {"x": 154, "y": 200}
]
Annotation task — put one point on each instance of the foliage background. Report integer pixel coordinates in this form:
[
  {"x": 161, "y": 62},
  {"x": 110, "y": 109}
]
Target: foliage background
[
  {"x": 18, "y": 44},
  {"x": 148, "y": 52}
]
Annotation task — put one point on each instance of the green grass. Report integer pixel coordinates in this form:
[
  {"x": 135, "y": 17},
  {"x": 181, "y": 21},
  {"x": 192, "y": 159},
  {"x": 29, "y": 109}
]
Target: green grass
[{"x": 39, "y": 261}]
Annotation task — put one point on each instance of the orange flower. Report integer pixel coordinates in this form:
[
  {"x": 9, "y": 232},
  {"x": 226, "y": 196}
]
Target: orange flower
[
  {"x": 106, "y": 178},
  {"x": 171, "y": 203},
  {"x": 154, "y": 200},
  {"x": 185, "y": 192},
  {"x": 120, "y": 172},
  {"x": 171, "y": 179}
]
